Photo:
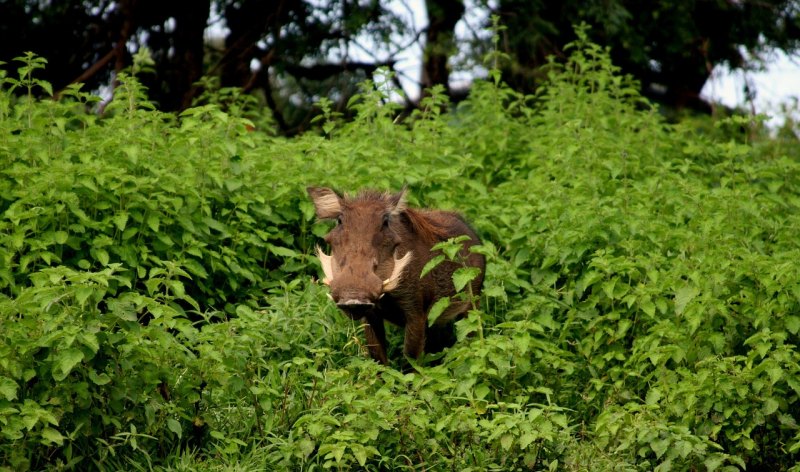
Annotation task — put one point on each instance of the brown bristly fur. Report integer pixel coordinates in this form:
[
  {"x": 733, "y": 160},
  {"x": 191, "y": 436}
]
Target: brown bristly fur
[{"x": 425, "y": 225}]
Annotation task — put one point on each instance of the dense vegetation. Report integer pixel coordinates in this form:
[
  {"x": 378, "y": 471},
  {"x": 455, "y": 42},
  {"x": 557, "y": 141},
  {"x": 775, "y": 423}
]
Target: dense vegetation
[{"x": 159, "y": 305}]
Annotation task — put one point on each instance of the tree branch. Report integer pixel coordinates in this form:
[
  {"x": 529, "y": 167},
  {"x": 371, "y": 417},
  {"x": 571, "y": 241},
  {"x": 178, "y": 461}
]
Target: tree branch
[
  {"x": 95, "y": 68},
  {"x": 325, "y": 71}
]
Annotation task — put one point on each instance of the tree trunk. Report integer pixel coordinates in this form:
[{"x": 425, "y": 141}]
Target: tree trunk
[
  {"x": 248, "y": 22},
  {"x": 440, "y": 41},
  {"x": 191, "y": 23}
]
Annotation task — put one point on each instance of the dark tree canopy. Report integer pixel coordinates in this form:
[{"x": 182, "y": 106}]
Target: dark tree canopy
[
  {"x": 279, "y": 47},
  {"x": 670, "y": 46},
  {"x": 293, "y": 52}
]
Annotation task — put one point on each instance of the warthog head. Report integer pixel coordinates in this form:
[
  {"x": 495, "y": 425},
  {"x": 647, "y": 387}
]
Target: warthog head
[{"x": 365, "y": 260}]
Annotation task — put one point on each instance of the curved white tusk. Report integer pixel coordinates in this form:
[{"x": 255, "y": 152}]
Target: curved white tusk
[
  {"x": 397, "y": 273},
  {"x": 327, "y": 265}
]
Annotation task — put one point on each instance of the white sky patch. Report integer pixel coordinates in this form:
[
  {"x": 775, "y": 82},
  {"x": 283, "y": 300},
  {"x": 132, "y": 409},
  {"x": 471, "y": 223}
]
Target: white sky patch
[
  {"x": 410, "y": 48},
  {"x": 404, "y": 49},
  {"x": 471, "y": 28},
  {"x": 778, "y": 85}
]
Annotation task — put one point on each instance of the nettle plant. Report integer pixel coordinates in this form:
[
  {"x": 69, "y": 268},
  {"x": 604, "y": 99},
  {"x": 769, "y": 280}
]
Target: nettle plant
[
  {"x": 451, "y": 250},
  {"x": 159, "y": 304},
  {"x": 118, "y": 237},
  {"x": 142, "y": 188}
]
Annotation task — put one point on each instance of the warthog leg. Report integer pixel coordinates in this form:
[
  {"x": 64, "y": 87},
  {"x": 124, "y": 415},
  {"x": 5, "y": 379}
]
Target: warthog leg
[
  {"x": 414, "y": 342},
  {"x": 375, "y": 332}
]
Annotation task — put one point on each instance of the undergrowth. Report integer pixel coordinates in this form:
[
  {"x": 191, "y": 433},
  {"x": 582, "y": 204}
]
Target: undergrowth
[{"x": 159, "y": 307}]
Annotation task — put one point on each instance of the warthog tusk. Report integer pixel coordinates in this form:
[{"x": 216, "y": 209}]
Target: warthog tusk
[
  {"x": 327, "y": 265},
  {"x": 397, "y": 273}
]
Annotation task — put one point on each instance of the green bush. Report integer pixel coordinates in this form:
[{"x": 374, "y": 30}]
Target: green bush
[{"x": 159, "y": 308}]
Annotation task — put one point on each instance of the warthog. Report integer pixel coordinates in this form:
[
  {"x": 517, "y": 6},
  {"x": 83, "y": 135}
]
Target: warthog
[{"x": 378, "y": 250}]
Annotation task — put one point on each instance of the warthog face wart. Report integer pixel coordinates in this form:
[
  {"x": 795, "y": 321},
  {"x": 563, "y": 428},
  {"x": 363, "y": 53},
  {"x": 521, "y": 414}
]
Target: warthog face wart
[{"x": 378, "y": 249}]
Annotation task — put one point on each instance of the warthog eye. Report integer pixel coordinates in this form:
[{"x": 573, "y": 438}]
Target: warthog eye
[
  {"x": 386, "y": 221},
  {"x": 339, "y": 220}
]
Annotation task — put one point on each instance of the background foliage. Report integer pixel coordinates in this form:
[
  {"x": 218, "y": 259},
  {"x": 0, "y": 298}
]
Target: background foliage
[
  {"x": 159, "y": 308},
  {"x": 291, "y": 53}
]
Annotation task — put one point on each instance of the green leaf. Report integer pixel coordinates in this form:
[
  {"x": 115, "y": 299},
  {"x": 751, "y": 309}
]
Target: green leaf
[
  {"x": 336, "y": 452},
  {"x": 60, "y": 237},
  {"x": 306, "y": 447},
  {"x": 175, "y": 426},
  {"x": 176, "y": 287},
  {"x": 153, "y": 285},
  {"x": 217, "y": 225},
  {"x": 101, "y": 255},
  {"x": 622, "y": 328},
  {"x": 8, "y": 388},
  {"x": 770, "y": 406},
  {"x": 684, "y": 448},
  {"x": 89, "y": 340},
  {"x": 659, "y": 446},
  {"x": 46, "y": 86},
  {"x": 481, "y": 391},
  {"x": 495, "y": 291},
  {"x": 464, "y": 275},
  {"x": 233, "y": 185},
  {"x": 793, "y": 384},
  {"x": 526, "y": 439},
  {"x": 792, "y": 323},
  {"x": 360, "y": 454},
  {"x": 713, "y": 462},
  {"x": 65, "y": 361},
  {"x": 608, "y": 287},
  {"x": 653, "y": 396},
  {"x": 18, "y": 239},
  {"x": 121, "y": 220},
  {"x": 774, "y": 371},
  {"x": 683, "y": 296},
  {"x": 506, "y": 441},
  {"x": 101, "y": 379},
  {"x": 282, "y": 251},
  {"x": 129, "y": 233},
  {"x": 51, "y": 435},
  {"x": 587, "y": 280},
  {"x": 431, "y": 264},
  {"x": 437, "y": 309},
  {"x": 153, "y": 221},
  {"x": 661, "y": 304},
  {"x": 82, "y": 294},
  {"x": 195, "y": 268}
]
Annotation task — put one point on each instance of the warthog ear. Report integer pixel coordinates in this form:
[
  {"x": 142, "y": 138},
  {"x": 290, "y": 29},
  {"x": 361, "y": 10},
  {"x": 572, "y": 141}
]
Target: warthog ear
[
  {"x": 327, "y": 203},
  {"x": 398, "y": 201}
]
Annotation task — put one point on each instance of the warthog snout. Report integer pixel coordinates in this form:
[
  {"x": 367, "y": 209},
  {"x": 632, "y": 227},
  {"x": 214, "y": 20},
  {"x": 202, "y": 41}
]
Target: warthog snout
[
  {"x": 355, "y": 308},
  {"x": 356, "y": 288},
  {"x": 355, "y": 293},
  {"x": 355, "y": 304}
]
